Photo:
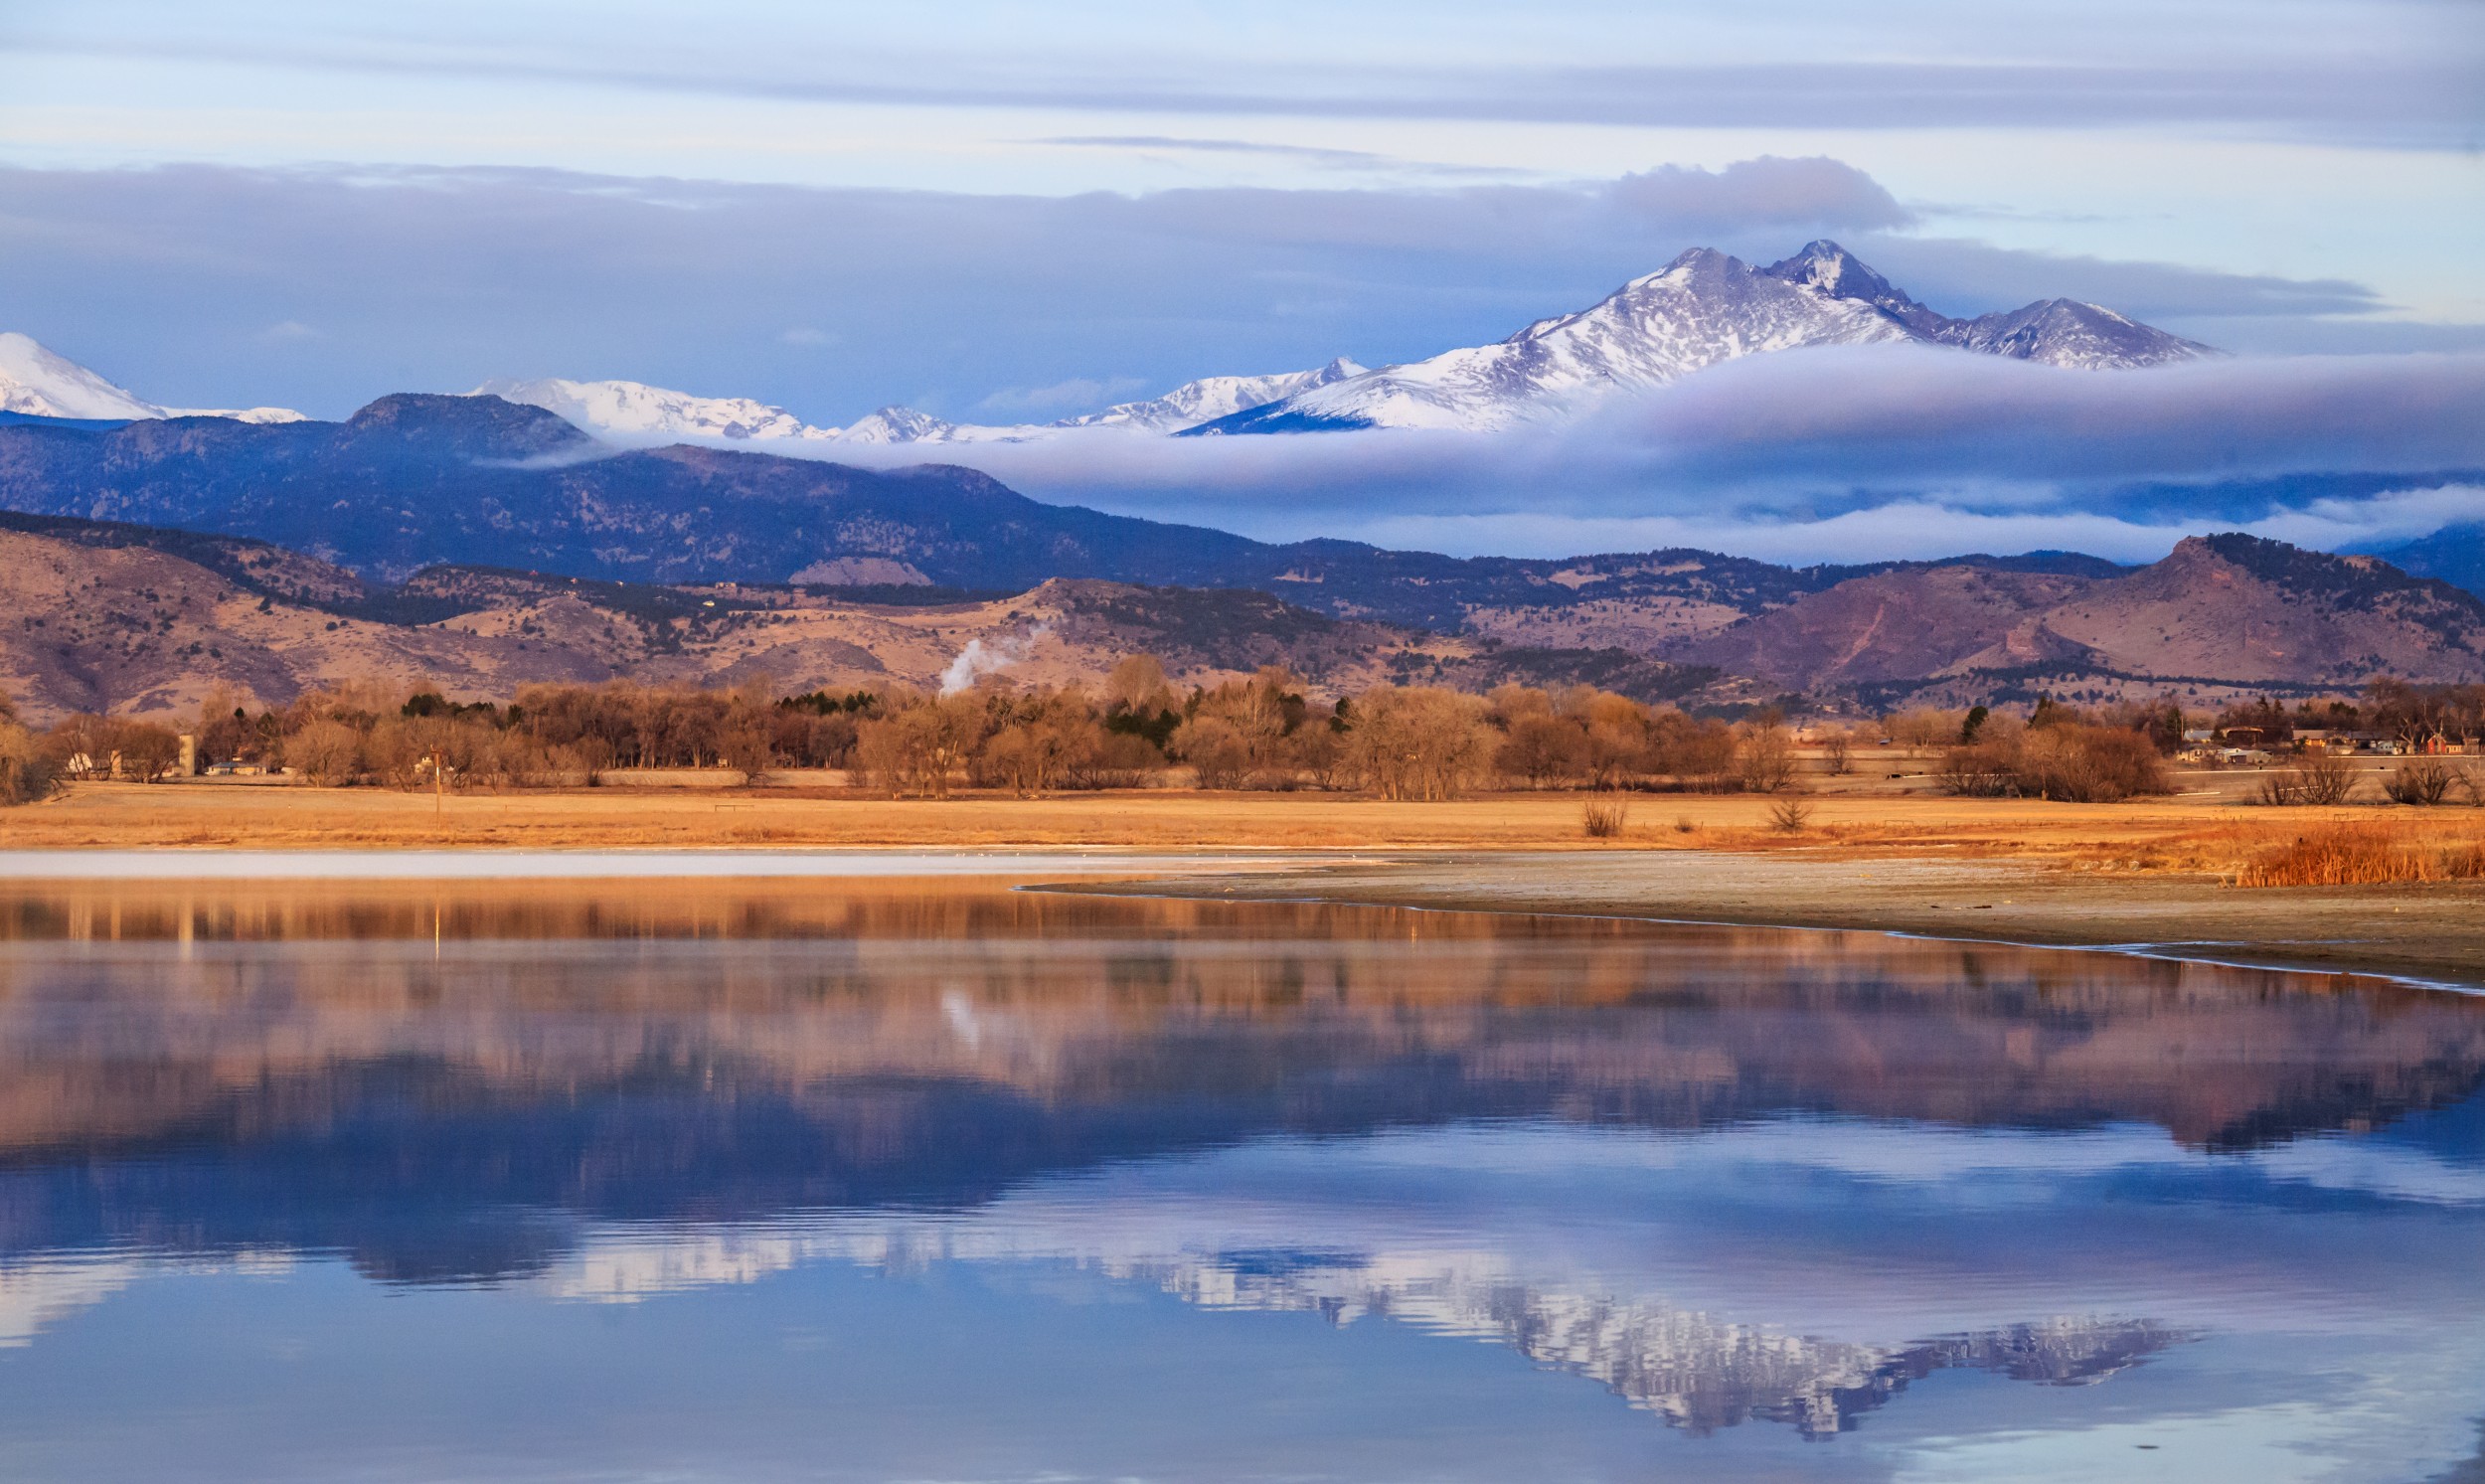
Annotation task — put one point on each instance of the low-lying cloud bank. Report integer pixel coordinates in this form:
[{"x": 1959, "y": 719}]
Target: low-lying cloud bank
[{"x": 1836, "y": 456}]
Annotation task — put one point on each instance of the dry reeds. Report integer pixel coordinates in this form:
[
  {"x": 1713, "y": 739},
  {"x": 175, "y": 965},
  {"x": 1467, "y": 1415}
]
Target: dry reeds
[
  {"x": 2361, "y": 856},
  {"x": 1604, "y": 818}
]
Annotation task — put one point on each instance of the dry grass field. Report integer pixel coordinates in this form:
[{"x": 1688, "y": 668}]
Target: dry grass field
[{"x": 2198, "y": 831}]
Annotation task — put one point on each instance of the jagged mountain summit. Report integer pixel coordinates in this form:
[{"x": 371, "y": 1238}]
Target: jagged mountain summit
[
  {"x": 40, "y": 383},
  {"x": 2059, "y": 332},
  {"x": 637, "y": 410},
  {"x": 897, "y": 425},
  {"x": 1701, "y": 308}
]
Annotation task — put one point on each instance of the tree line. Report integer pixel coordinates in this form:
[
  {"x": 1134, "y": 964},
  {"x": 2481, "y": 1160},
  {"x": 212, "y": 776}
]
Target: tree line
[{"x": 1261, "y": 732}]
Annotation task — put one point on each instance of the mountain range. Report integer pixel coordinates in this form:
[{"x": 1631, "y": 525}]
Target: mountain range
[
  {"x": 403, "y": 523},
  {"x": 489, "y": 542},
  {"x": 152, "y": 622},
  {"x": 1701, "y": 308}
]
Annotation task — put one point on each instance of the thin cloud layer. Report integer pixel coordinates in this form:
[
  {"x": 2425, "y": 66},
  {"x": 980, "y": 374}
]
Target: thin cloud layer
[{"x": 2371, "y": 72}]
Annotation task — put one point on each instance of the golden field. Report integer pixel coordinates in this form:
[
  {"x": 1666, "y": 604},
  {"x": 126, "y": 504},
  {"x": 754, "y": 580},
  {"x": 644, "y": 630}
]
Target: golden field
[{"x": 2198, "y": 830}]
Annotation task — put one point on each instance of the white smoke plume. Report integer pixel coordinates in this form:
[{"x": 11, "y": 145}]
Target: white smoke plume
[{"x": 979, "y": 659}]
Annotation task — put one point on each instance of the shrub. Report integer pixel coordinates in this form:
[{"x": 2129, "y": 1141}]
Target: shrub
[
  {"x": 2316, "y": 778},
  {"x": 1033, "y": 757},
  {"x": 1218, "y": 754},
  {"x": 26, "y": 774},
  {"x": 1113, "y": 759},
  {"x": 2072, "y": 761},
  {"x": 1985, "y": 771},
  {"x": 1789, "y": 816},
  {"x": 1604, "y": 818},
  {"x": 326, "y": 751},
  {"x": 2085, "y": 764},
  {"x": 2422, "y": 782},
  {"x": 1543, "y": 749},
  {"x": 916, "y": 750}
]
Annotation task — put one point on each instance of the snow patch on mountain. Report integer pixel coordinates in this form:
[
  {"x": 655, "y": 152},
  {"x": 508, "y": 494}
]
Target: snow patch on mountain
[
  {"x": 40, "y": 383},
  {"x": 906, "y": 425},
  {"x": 1212, "y": 397},
  {"x": 1185, "y": 407},
  {"x": 634, "y": 409}
]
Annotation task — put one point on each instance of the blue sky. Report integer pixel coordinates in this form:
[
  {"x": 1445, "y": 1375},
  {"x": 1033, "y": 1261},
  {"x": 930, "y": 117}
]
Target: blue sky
[{"x": 1007, "y": 211}]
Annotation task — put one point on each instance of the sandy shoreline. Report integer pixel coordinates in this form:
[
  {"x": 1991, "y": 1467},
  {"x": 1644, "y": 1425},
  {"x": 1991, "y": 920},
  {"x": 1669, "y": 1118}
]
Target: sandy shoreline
[
  {"x": 2145, "y": 874},
  {"x": 2432, "y": 934}
]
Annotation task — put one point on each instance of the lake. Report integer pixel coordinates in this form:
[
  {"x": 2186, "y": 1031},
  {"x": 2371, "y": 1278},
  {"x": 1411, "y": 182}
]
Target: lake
[{"x": 940, "y": 1179}]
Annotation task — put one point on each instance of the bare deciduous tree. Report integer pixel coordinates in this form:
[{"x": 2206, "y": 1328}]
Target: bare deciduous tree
[{"x": 1419, "y": 743}]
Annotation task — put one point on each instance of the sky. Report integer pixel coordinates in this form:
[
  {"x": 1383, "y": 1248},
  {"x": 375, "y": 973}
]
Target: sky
[{"x": 1006, "y": 212}]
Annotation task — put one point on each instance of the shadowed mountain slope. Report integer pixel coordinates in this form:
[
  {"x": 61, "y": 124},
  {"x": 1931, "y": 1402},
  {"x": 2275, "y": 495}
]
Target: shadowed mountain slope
[
  {"x": 2230, "y": 607},
  {"x": 115, "y": 617}
]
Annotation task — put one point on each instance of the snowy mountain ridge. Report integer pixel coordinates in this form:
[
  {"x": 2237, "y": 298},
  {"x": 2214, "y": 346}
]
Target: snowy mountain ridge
[
  {"x": 1211, "y": 398},
  {"x": 1701, "y": 308},
  {"x": 635, "y": 411},
  {"x": 39, "y": 382},
  {"x": 633, "y": 408}
]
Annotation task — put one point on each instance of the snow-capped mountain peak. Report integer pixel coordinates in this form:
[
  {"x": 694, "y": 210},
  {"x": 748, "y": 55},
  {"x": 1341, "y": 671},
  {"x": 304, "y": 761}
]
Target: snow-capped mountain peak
[
  {"x": 634, "y": 409},
  {"x": 898, "y": 425},
  {"x": 1825, "y": 266},
  {"x": 39, "y": 382},
  {"x": 2070, "y": 333},
  {"x": 1701, "y": 308},
  {"x": 2059, "y": 332}
]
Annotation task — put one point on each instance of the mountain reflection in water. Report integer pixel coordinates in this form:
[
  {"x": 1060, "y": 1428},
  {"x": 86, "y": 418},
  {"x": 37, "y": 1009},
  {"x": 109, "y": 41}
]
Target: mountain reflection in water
[{"x": 1723, "y": 1173}]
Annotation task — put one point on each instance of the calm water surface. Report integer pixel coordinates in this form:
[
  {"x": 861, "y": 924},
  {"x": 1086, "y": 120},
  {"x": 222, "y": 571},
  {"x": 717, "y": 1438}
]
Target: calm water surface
[{"x": 934, "y": 1180}]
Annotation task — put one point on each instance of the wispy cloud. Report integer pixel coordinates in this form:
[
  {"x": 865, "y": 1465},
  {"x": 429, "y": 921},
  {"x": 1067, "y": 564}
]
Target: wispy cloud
[
  {"x": 2398, "y": 99},
  {"x": 1361, "y": 160}
]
